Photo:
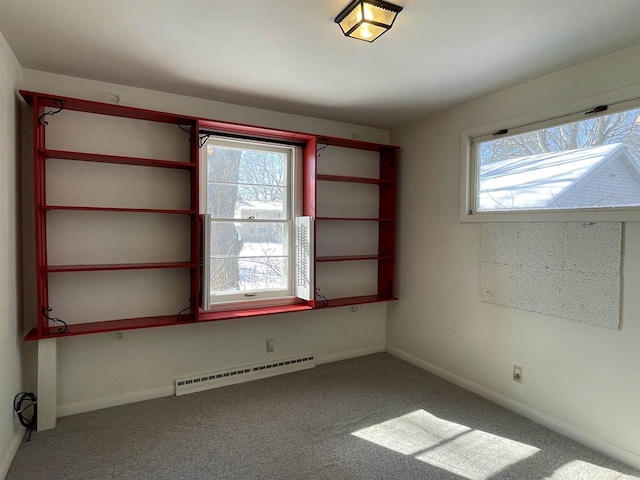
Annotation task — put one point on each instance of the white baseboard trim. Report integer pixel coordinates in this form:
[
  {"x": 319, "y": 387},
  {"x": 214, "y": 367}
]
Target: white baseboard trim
[
  {"x": 10, "y": 452},
  {"x": 618, "y": 453},
  {"x": 336, "y": 357},
  {"x": 116, "y": 400}
]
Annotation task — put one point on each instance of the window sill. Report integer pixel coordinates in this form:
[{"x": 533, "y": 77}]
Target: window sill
[
  {"x": 594, "y": 215},
  {"x": 210, "y": 316}
]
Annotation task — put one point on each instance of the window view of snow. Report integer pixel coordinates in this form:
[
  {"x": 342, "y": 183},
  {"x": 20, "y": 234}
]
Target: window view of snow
[
  {"x": 249, "y": 209},
  {"x": 593, "y": 163}
]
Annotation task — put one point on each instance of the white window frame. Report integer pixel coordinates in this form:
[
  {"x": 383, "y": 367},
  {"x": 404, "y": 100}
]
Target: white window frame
[
  {"x": 616, "y": 100},
  {"x": 293, "y": 205}
]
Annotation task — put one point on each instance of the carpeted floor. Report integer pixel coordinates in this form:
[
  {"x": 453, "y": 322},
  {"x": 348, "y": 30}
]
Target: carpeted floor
[{"x": 373, "y": 417}]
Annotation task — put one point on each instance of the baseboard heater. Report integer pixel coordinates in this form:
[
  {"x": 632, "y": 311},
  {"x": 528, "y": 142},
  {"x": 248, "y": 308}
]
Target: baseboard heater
[{"x": 222, "y": 378}]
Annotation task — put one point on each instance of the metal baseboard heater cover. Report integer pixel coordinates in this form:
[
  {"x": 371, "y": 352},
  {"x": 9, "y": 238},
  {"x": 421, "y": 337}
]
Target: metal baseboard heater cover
[{"x": 232, "y": 376}]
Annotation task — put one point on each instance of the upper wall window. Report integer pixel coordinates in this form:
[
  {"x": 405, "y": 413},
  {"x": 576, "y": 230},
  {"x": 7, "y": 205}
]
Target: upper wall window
[{"x": 582, "y": 162}]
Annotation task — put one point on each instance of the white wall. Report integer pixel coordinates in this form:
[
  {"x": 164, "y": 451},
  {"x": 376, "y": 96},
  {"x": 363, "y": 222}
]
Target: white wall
[
  {"x": 96, "y": 371},
  {"x": 10, "y": 274},
  {"x": 581, "y": 379}
]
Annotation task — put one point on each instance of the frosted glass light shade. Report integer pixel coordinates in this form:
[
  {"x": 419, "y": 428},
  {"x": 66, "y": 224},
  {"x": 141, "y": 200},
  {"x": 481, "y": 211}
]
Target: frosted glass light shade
[{"x": 367, "y": 19}]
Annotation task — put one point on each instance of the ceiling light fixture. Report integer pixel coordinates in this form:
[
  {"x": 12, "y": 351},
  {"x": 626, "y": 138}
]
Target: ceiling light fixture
[{"x": 367, "y": 19}]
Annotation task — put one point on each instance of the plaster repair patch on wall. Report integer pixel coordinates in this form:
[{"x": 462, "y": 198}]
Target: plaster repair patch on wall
[{"x": 565, "y": 269}]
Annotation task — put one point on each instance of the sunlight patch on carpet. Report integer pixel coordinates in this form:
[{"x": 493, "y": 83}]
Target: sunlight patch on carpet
[
  {"x": 412, "y": 433},
  {"x": 477, "y": 455},
  {"x": 470, "y": 453},
  {"x": 580, "y": 469}
]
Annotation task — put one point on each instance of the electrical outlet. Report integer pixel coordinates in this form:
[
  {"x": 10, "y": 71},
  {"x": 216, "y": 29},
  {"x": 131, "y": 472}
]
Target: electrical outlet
[
  {"x": 270, "y": 345},
  {"x": 517, "y": 373}
]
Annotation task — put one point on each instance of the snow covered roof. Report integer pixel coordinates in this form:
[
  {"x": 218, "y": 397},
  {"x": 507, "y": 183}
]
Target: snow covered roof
[{"x": 537, "y": 181}]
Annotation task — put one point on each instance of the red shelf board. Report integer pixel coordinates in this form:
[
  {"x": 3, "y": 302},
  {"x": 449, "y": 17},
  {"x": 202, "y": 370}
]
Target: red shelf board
[
  {"x": 346, "y": 301},
  {"x": 358, "y": 144},
  {"x": 115, "y": 266},
  {"x": 340, "y": 178},
  {"x": 149, "y": 322},
  {"x": 136, "y": 161},
  {"x": 90, "y": 106},
  {"x": 345, "y": 219},
  {"x": 117, "y": 209},
  {"x": 349, "y": 258},
  {"x": 214, "y": 126},
  {"x": 108, "y": 326},
  {"x": 250, "y": 130}
]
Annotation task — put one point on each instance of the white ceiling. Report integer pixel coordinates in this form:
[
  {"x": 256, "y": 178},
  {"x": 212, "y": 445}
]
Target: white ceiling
[{"x": 289, "y": 56}]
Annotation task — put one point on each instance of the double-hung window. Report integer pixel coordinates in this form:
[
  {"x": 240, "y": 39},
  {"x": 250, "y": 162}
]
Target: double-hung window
[{"x": 249, "y": 201}]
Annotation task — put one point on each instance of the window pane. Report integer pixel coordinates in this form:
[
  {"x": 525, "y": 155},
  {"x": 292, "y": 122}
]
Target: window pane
[
  {"x": 248, "y": 275},
  {"x": 226, "y": 239},
  {"x": 246, "y": 201},
  {"x": 245, "y": 183},
  {"x": 269, "y": 200},
  {"x": 248, "y": 257},
  {"x": 222, "y": 200},
  {"x": 249, "y": 166},
  {"x": 591, "y": 163},
  {"x": 245, "y": 239}
]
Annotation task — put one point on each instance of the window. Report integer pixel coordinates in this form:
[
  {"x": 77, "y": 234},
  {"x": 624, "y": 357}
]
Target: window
[
  {"x": 248, "y": 198},
  {"x": 587, "y": 161}
]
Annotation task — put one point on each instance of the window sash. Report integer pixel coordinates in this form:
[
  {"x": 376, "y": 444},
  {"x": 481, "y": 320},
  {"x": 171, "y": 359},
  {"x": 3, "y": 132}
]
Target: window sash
[
  {"x": 211, "y": 300},
  {"x": 474, "y": 143}
]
